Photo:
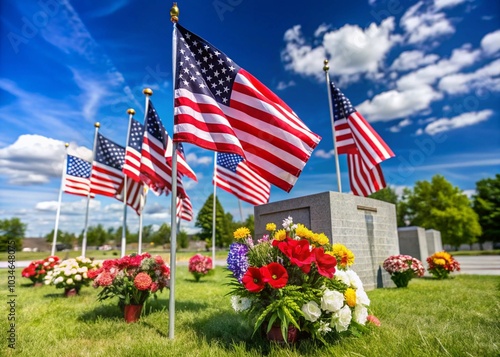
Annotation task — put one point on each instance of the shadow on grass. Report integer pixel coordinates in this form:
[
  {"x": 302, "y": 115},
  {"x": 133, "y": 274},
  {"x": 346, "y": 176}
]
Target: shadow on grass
[{"x": 102, "y": 312}]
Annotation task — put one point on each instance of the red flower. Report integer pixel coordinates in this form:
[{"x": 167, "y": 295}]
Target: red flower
[
  {"x": 252, "y": 280},
  {"x": 135, "y": 261},
  {"x": 373, "y": 320},
  {"x": 275, "y": 275},
  {"x": 91, "y": 274},
  {"x": 299, "y": 253},
  {"x": 325, "y": 263},
  {"x": 104, "y": 279},
  {"x": 142, "y": 281}
]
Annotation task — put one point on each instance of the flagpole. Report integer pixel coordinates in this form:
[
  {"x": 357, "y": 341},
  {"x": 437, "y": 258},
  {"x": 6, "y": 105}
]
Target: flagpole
[
  {"x": 143, "y": 203},
  {"x": 214, "y": 209},
  {"x": 58, "y": 212},
  {"x": 84, "y": 240},
  {"x": 131, "y": 113},
  {"x": 174, "y": 17},
  {"x": 241, "y": 210},
  {"x": 337, "y": 166}
]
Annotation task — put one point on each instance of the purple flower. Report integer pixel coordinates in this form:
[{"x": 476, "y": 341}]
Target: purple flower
[{"x": 237, "y": 260}]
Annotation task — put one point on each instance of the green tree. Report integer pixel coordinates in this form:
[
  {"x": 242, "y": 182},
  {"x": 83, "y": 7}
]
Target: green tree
[
  {"x": 223, "y": 236},
  {"x": 62, "y": 237},
  {"x": 182, "y": 239},
  {"x": 96, "y": 236},
  {"x": 387, "y": 194},
  {"x": 441, "y": 206},
  {"x": 11, "y": 230},
  {"x": 486, "y": 203},
  {"x": 162, "y": 235}
]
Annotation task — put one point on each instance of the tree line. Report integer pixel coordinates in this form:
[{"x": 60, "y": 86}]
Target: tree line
[{"x": 434, "y": 204}]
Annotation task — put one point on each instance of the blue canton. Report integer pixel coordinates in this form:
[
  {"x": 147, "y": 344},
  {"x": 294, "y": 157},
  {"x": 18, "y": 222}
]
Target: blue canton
[
  {"x": 78, "y": 167},
  {"x": 229, "y": 161},
  {"x": 109, "y": 153}
]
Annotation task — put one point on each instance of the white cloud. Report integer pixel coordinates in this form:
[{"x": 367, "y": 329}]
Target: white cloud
[
  {"x": 397, "y": 128},
  {"x": 284, "y": 85},
  {"x": 460, "y": 121},
  {"x": 491, "y": 43},
  {"x": 395, "y": 104},
  {"x": 412, "y": 59},
  {"x": 485, "y": 78},
  {"x": 441, "y": 4},
  {"x": 324, "y": 154}
]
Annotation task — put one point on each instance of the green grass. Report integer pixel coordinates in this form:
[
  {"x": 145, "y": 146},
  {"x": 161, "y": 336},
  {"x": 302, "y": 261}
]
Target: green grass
[
  {"x": 455, "y": 317},
  {"x": 475, "y": 252}
]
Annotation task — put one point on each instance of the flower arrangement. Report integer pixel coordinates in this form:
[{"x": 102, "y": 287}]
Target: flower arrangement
[
  {"x": 71, "y": 273},
  {"x": 38, "y": 269},
  {"x": 403, "y": 268},
  {"x": 441, "y": 264},
  {"x": 295, "y": 279},
  {"x": 199, "y": 266},
  {"x": 133, "y": 278}
]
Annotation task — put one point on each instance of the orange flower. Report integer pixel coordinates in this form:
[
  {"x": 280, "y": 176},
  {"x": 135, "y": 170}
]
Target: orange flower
[{"x": 142, "y": 281}]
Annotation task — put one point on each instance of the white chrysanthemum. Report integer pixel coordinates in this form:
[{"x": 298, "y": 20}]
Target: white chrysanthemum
[
  {"x": 69, "y": 281},
  {"x": 74, "y": 271},
  {"x": 287, "y": 222},
  {"x": 51, "y": 260},
  {"x": 58, "y": 280},
  {"x": 324, "y": 327},
  {"x": 342, "y": 276},
  {"x": 45, "y": 264},
  {"x": 67, "y": 272},
  {"x": 311, "y": 311},
  {"x": 342, "y": 319},
  {"x": 360, "y": 314},
  {"x": 355, "y": 281},
  {"x": 85, "y": 275},
  {"x": 78, "y": 277},
  {"x": 240, "y": 303},
  {"x": 332, "y": 300},
  {"x": 362, "y": 298}
]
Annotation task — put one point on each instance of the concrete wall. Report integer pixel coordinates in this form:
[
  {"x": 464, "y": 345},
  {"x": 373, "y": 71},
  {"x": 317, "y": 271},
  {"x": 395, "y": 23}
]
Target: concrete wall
[
  {"x": 413, "y": 241},
  {"x": 365, "y": 226},
  {"x": 434, "y": 243}
]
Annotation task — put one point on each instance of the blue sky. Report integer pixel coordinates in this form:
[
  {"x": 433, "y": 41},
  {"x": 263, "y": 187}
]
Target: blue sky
[{"x": 425, "y": 75}]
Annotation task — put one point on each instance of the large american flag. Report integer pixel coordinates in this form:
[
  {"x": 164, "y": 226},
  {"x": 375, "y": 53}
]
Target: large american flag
[
  {"x": 220, "y": 106},
  {"x": 77, "y": 178},
  {"x": 107, "y": 178},
  {"x": 132, "y": 164},
  {"x": 184, "y": 209},
  {"x": 354, "y": 135},
  {"x": 363, "y": 180},
  {"x": 155, "y": 171},
  {"x": 183, "y": 167},
  {"x": 235, "y": 176}
]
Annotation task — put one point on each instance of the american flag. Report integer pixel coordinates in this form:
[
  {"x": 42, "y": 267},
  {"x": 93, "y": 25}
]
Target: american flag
[
  {"x": 132, "y": 164},
  {"x": 182, "y": 165},
  {"x": 155, "y": 171},
  {"x": 107, "y": 178},
  {"x": 235, "y": 176},
  {"x": 353, "y": 134},
  {"x": 77, "y": 178},
  {"x": 363, "y": 180},
  {"x": 184, "y": 209},
  {"x": 221, "y": 107}
]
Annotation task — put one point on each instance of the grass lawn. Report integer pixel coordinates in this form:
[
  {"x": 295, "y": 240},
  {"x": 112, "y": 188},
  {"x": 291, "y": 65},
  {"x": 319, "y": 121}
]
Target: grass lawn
[{"x": 454, "y": 317}]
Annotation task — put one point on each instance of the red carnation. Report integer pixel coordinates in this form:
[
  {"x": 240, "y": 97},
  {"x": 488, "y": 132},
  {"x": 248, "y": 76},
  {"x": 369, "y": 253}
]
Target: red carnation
[
  {"x": 275, "y": 275},
  {"x": 252, "y": 280},
  {"x": 325, "y": 263},
  {"x": 143, "y": 281},
  {"x": 135, "y": 261},
  {"x": 105, "y": 279},
  {"x": 299, "y": 253}
]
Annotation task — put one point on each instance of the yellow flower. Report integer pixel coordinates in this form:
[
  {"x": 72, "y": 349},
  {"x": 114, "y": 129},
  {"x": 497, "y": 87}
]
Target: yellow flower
[
  {"x": 241, "y": 233},
  {"x": 320, "y": 238},
  {"x": 280, "y": 235},
  {"x": 271, "y": 227},
  {"x": 345, "y": 257},
  {"x": 303, "y": 232},
  {"x": 350, "y": 297}
]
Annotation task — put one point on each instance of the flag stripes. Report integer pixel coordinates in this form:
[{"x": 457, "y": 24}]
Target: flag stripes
[{"x": 363, "y": 180}]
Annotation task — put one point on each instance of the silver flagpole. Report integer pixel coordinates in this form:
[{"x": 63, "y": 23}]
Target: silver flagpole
[
  {"x": 84, "y": 240},
  {"x": 337, "y": 166},
  {"x": 174, "y": 17},
  {"x": 131, "y": 113},
  {"x": 241, "y": 210},
  {"x": 143, "y": 203},
  {"x": 58, "y": 213},
  {"x": 214, "y": 209}
]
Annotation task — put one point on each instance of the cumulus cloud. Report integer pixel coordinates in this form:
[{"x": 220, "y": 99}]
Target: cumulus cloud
[
  {"x": 442, "y": 4},
  {"x": 491, "y": 43},
  {"x": 460, "y": 121},
  {"x": 324, "y": 154},
  {"x": 485, "y": 78},
  {"x": 397, "y": 128},
  {"x": 409, "y": 60}
]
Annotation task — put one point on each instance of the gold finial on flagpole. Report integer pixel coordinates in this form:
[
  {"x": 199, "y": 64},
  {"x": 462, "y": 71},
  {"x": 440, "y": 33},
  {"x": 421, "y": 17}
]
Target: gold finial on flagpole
[
  {"x": 97, "y": 124},
  {"x": 326, "y": 67},
  {"x": 147, "y": 91},
  {"x": 131, "y": 111},
  {"x": 66, "y": 145},
  {"x": 174, "y": 13}
]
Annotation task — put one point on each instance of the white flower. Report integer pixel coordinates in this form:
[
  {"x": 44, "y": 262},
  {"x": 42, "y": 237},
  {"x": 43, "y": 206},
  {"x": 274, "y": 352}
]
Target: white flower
[
  {"x": 85, "y": 275},
  {"x": 324, "y": 327},
  {"x": 78, "y": 277},
  {"x": 45, "y": 264},
  {"x": 67, "y": 272},
  {"x": 342, "y": 276},
  {"x": 74, "y": 271},
  {"x": 361, "y": 297},
  {"x": 51, "y": 260},
  {"x": 332, "y": 300},
  {"x": 240, "y": 303},
  {"x": 311, "y": 311},
  {"x": 342, "y": 319},
  {"x": 58, "y": 280},
  {"x": 355, "y": 281},
  {"x": 360, "y": 314},
  {"x": 83, "y": 269},
  {"x": 287, "y": 222}
]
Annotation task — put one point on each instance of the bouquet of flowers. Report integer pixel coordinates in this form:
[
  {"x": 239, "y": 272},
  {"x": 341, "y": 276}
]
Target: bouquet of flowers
[
  {"x": 441, "y": 264},
  {"x": 295, "y": 279},
  {"x": 132, "y": 278},
  {"x": 71, "y": 273},
  {"x": 403, "y": 268},
  {"x": 200, "y": 265},
  {"x": 38, "y": 269}
]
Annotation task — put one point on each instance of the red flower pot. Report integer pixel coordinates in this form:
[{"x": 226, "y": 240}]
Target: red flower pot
[
  {"x": 275, "y": 334},
  {"x": 37, "y": 284},
  {"x": 70, "y": 292},
  {"x": 132, "y": 313}
]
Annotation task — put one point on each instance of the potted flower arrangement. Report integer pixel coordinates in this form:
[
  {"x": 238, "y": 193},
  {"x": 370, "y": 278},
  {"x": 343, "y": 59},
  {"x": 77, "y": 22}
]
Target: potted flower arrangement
[
  {"x": 403, "y": 268},
  {"x": 132, "y": 279},
  {"x": 441, "y": 264},
  {"x": 71, "y": 274},
  {"x": 294, "y": 280},
  {"x": 38, "y": 269},
  {"x": 200, "y": 265}
]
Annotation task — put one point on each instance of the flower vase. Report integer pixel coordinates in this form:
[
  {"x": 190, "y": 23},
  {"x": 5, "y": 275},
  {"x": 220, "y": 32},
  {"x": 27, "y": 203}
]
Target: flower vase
[
  {"x": 402, "y": 279},
  {"x": 275, "y": 334},
  {"x": 132, "y": 313},
  {"x": 70, "y": 292}
]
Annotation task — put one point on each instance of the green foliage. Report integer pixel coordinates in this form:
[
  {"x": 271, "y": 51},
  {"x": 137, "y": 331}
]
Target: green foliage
[
  {"x": 441, "y": 206},
  {"x": 204, "y": 221},
  {"x": 97, "y": 236},
  {"x": 387, "y": 194},
  {"x": 62, "y": 237},
  {"x": 182, "y": 239},
  {"x": 11, "y": 230},
  {"x": 162, "y": 235},
  {"x": 486, "y": 203}
]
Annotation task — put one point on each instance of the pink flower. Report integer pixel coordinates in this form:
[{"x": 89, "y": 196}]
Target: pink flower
[
  {"x": 373, "y": 320},
  {"x": 142, "y": 281}
]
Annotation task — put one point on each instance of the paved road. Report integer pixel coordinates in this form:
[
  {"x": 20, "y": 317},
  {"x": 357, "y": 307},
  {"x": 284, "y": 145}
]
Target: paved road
[{"x": 478, "y": 265}]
